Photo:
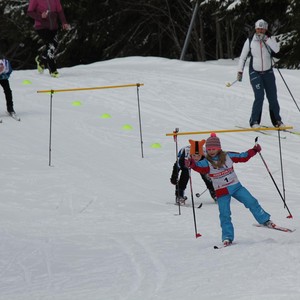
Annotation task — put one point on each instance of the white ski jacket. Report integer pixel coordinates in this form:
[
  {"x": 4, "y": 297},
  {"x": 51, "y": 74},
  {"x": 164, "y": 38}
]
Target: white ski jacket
[{"x": 260, "y": 52}]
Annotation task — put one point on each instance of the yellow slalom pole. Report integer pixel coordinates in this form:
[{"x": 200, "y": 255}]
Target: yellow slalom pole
[
  {"x": 92, "y": 88},
  {"x": 231, "y": 130}
]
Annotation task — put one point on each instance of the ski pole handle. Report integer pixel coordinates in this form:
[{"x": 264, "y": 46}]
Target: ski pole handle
[{"x": 175, "y": 134}]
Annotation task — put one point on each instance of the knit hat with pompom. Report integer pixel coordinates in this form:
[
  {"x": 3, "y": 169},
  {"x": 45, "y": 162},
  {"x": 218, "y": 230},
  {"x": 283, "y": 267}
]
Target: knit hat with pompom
[{"x": 213, "y": 142}]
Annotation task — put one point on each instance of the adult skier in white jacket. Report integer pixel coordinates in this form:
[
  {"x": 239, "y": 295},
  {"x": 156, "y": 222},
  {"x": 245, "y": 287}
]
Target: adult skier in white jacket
[{"x": 261, "y": 47}]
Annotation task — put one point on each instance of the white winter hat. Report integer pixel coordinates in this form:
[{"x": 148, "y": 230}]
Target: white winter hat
[{"x": 261, "y": 24}]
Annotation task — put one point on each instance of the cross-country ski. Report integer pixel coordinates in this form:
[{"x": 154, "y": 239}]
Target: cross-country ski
[
  {"x": 275, "y": 227},
  {"x": 273, "y": 134}
]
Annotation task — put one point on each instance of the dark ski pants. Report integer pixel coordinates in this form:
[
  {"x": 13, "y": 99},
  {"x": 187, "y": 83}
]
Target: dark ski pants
[
  {"x": 264, "y": 82},
  {"x": 47, "y": 56},
  {"x": 184, "y": 179},
  {"x": 8, "y": 94}
]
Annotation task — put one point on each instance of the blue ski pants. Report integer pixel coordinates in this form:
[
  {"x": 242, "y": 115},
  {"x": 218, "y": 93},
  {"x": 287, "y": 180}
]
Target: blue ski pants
[
  {"x": 264, "y": 82},
  {"x": 242, "y": 195}
]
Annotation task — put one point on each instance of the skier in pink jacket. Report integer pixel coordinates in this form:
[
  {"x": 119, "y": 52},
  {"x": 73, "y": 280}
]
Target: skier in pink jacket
[{"x": 46, "y": 14}]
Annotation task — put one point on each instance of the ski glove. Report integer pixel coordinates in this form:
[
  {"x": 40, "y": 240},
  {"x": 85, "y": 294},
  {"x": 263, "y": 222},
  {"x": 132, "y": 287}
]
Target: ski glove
[
  {"x": 174, "y": 180},
  {"x": 4, "y": 76},
  {"x": 174, "y": 175},
  {"x": 189, "y": 163},
  {"x": 257, "y": 148},
  {"x": 239, "y": 76},
  {"x": 262, "y": 37}
]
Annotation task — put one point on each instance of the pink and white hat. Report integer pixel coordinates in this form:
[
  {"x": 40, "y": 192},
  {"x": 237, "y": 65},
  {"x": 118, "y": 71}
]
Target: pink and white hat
[{"x": 213, "y": 142}]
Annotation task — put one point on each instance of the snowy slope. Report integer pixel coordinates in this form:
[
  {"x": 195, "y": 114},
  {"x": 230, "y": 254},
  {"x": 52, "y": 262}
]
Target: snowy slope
[{"x": 100, "y": 223}]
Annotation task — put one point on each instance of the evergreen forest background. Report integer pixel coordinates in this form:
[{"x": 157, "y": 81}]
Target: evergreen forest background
[{"x": 106, "y": 29}]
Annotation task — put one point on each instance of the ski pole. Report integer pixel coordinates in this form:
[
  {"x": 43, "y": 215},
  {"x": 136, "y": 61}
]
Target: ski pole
[
  {"x": 288, "y": 89},
  {"x": 274, "y": 63},
  {"x": 192, "y": 197},
  {"x": 229, "y": 84},
  {"x": 199, "y": 195},
  {"x": 285, "y": 205},
  {"x": 176, "y": 149},
  {"x": 281, "y": 164}
]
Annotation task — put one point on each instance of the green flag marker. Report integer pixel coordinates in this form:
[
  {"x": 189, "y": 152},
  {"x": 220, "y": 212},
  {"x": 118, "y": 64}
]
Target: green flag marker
[
  {"x": 127, "y": 127},
  {"x": 105, "y": 116},
  {"x": 156, "y": 145},
  {"x": 26, "y": 82},
  {"x": 76, "y": 103}
]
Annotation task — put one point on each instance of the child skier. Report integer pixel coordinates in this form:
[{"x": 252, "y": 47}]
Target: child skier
[
  {"x": 195, "y": 150},
  {"x": 219, "y": 166}
]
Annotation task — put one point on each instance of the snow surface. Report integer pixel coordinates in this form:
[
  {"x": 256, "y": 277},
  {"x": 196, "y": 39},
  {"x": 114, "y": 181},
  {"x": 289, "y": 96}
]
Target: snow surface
[{"x": 100, "y": 224}]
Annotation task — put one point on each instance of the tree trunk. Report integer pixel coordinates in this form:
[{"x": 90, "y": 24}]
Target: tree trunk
[
  {"x": 219, "y": 46},
  {"x": 201, "y": 40}
]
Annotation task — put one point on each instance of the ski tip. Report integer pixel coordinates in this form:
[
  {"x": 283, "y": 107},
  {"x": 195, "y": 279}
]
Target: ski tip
[
  {"x": 200, "y": 205},
  {"x": 224, "y": 246},
  {"x": 198, "y": 235},
  {"x": 14, "y": 116},
  {"x": 276, "y": 227}
]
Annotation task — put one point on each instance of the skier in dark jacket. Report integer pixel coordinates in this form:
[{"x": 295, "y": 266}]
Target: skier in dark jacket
[
  {"x": 5, "y": 71},
  {"x": 184, "y": 153}
]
